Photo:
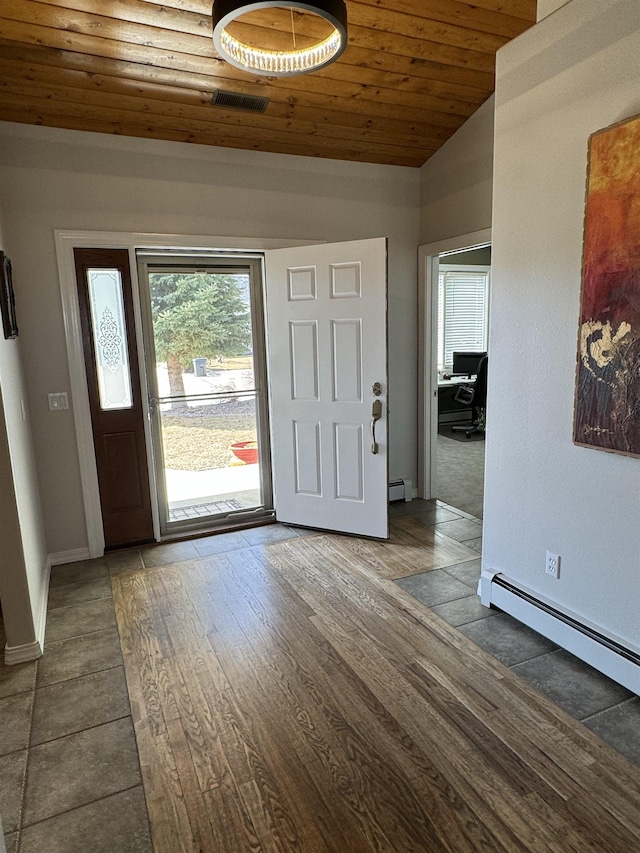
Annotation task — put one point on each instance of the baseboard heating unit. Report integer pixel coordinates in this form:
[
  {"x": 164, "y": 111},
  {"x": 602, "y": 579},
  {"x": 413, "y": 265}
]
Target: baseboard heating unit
[
  {"x": 603, "y": 652},
  {"x": 401, "y": 490}
]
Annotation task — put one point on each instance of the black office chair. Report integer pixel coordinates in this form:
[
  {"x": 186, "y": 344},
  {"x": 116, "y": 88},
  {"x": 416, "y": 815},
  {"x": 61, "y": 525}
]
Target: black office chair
[{"x": 476, "y": 396}]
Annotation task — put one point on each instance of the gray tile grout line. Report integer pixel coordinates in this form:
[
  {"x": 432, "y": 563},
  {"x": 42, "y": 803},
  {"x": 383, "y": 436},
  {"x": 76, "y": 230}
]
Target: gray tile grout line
[
  {"x": 606, "y": 710},
  {"x": 75, "y": 677},
  {"x": 80, "y": 731},
  {"x": 89, "y": 803},
  {"x": 83, "y": 675},
  {"x": 78, "y": 603},
  {"x": 464, "y": 624},
  {"x": 77, "y": 636},
  {"x": 28, "y": 752},
  {"x": 74, "y": 583}
]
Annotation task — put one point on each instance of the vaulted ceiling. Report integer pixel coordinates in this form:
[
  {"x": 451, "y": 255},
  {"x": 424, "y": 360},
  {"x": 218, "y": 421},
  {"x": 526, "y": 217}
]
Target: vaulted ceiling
[{"x": 413, "y": 72}]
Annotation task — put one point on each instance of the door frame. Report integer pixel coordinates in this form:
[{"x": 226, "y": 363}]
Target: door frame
[
  {"x": 65, "y": 242},
  {"x": 428, "y": 261},
  {"x": 253, "y": 265}
]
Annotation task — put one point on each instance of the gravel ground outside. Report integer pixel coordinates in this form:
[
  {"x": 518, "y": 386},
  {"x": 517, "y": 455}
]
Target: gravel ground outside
[{"x": 201, "y": 437}]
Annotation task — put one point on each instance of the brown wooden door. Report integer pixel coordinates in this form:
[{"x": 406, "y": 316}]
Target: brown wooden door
[{"x": 108, "y": 331}]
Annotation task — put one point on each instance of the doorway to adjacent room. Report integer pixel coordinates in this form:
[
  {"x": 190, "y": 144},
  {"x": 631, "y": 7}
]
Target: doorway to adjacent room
[
  {"x": 454, "y": 297},
  {"x": 462, "y": 333}
]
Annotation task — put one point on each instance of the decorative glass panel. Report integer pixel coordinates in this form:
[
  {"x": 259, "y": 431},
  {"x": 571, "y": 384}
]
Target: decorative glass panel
[{"x": 110, "y": 338}]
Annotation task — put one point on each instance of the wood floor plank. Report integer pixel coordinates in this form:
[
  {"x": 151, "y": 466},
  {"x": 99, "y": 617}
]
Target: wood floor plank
[
  {"x": 384, "y": 680},
  {"x": 303, "y": 700},
  {"x": 288, "y": 666},
  {"x": 290, "y": 697},
  {"x": 412, "y": 548},
  {"x": 235, "y": 829}
]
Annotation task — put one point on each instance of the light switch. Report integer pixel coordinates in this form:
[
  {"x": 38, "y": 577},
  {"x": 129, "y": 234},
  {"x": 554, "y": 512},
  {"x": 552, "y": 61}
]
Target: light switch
[{"x": 58, "y": 401}]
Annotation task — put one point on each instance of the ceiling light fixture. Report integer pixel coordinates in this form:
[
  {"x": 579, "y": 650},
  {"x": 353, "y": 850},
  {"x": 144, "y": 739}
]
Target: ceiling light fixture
[{"x": 279, "y": 63}]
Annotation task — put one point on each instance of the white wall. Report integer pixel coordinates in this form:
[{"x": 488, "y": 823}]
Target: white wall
[
  {"x": 23, "y": 564},
  {"x": 456, "y": 182},
  {"x": 54, "y": 179},
  {"x": 546, "y": 7},
  {"x": 570, "y": 75}
]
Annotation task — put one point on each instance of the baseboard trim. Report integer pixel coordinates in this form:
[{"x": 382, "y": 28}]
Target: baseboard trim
[
  {"x": 23, "y": 654},
  {"x": 32, "y": 651},
  {"x": 73, "y": 556}
]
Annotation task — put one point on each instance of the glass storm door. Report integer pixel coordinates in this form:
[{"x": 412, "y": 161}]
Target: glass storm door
[{"x": 204, "y": 340}]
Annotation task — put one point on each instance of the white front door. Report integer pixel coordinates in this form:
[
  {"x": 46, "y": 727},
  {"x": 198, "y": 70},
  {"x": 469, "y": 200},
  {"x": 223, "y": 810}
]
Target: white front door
[{"x": 327, "y": 356}]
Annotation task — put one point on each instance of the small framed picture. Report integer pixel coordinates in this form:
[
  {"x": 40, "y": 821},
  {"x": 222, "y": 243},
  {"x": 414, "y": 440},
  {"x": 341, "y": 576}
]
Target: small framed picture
[{"x": 7, "y": 299}]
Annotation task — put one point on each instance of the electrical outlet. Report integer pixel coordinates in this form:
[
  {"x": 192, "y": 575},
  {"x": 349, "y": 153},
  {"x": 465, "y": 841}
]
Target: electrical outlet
[{"x": 552, "y": 565}]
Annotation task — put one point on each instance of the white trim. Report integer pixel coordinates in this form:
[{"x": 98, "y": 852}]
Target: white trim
[
  {"x": 32, "y": 651},
  {"x": 66, "y": 242},
  {"x": 41, "y": 625},
  {"x": 465, "y": 242},
  {"x": 484, "y": 586},
  {"x": 427, "y": 355},
  {"x": 589, "y": 650},
  {"x": 144, "y": 391},
  {"x": 79, "y": 394},
  {"x": 23, "y": 654},
  {"x": 74, "y": 556}
]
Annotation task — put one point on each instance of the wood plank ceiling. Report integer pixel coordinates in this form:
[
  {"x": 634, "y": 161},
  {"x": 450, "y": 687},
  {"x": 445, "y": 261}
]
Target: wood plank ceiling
[{"x": 413, "y": 72}]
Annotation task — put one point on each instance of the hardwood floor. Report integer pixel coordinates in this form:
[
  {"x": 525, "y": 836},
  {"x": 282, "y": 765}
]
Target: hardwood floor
[{"x": 290, "y": 697}]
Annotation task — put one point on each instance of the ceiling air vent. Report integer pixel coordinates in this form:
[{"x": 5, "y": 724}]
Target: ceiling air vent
[{"x": 235, "y": 101}]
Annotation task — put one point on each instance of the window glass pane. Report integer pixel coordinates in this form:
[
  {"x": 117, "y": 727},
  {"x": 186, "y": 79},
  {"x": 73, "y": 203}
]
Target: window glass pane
[
  {"x": 207, "y": 399},
  {"x": 110, "y": 338}
]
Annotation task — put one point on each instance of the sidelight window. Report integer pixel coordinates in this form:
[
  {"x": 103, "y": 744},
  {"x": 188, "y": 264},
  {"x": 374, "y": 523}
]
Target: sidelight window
[{"x": 109, "y": 338}]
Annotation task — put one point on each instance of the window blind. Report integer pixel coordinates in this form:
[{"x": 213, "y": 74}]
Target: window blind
[{"x": 462, "y": 313}]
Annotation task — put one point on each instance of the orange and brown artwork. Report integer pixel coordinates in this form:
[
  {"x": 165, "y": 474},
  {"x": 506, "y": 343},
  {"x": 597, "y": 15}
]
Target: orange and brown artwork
[{"x": 607, "y": 410}]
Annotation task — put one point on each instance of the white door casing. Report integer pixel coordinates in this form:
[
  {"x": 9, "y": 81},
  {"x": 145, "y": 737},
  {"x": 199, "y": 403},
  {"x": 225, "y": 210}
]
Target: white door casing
[{"x": 327, "y": 348}]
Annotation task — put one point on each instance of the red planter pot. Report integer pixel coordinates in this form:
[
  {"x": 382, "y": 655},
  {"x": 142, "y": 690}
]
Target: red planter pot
[{"x": 245, "y": 450}]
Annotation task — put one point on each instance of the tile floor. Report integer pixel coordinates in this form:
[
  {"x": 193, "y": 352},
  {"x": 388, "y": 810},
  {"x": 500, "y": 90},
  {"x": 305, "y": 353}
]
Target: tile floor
[
  {"x": 69, "y": 774},
  {"x": 608, "y": 709}
]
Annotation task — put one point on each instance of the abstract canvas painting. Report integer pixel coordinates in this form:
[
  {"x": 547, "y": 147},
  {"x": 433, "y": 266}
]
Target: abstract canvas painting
[{"x": 607, "y": 405}]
